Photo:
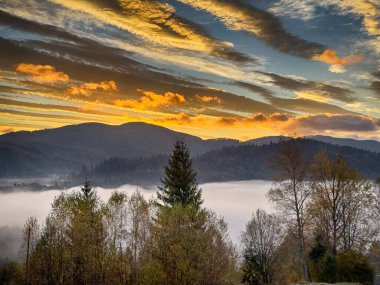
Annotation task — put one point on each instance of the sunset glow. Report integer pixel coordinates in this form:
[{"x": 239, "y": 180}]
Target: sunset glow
[{"x": 211, "y": 68}]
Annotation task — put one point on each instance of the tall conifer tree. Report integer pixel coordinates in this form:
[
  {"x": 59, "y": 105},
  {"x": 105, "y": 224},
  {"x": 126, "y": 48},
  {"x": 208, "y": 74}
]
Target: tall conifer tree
[{"x": 179, "y": 185}]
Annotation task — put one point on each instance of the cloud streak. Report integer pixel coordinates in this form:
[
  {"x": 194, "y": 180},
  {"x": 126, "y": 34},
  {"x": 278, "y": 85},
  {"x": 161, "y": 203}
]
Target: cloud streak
[
  {"x": 156, "y": 22},
  {"x": 323, "y": 122},
  {"x": 39, "y": 106},
  {"x": 280, "y": 122},
  {"x": 207, "y": 99},
  {"x": 311, "y": 97},
  {"x": 325, "y": 89},
  {"x": 182, "y": 63},
  {"x": 239, "y": 15}
]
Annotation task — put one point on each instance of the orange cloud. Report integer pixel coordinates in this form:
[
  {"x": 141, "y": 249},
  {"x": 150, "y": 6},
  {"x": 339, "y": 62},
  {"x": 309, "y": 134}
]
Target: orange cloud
[
  {"x": 181, "y": 119},
  {"x": 278, "y": 123},
  {"x": 329, "y": 56},
  {"x": 259, "y": 119},
  {"x": 42, "y": 73},
  {"x": 254, "y": 119},
  {"x": 7, "y": 130},
  {"x": 279, "y": 117},
  {"x": 207, "y": 99},
  {"x": 86, "y": 88},
  {"x": 152, "y": 100}
]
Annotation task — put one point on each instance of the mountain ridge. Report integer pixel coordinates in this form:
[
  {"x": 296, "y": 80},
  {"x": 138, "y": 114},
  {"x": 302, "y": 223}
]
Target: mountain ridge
[{"x": 67, "y": 149}]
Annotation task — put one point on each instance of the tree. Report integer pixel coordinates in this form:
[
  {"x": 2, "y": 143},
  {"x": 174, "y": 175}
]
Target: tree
[
  {"x": 86, "y": 236},
  {"x": 286, "y": 262},
  {"x": 290, "y": 192},
  {"x": 328, "y": 269},
  {"x": 128, "y": 223},
  {"x": 87, "y": 190},
  {"x": 353, "y": 266},
  {"x": 139, "y": 230},
  {"x": 341, "y": 204},
  {"x": 30, "y": 238},
  {"x": 180, "y": 184},
  {"x": 71, "y": 247},
  {"x": 115, "y": 221},
  {"x": 189, "y": 246},
  {"x": 260, "y": 239},
  {"x": 317, "y": 254},
  {"x": 377, "y": 202},
  {"x": 11, "y": 273}
]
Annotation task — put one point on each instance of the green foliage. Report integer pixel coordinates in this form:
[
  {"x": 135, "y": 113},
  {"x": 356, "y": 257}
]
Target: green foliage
[
  {"x": 340, "y": 195},
  {"x": 85, "y": 241},
  {"x": 316, "y": 256},
  {"x": 128, "y": 240},
  {"x": 286, "y": 262},
  {"x": 353, "y": 266},
  {"x": 11, "y": 273},
  {"x": 87, "y": 190},
  {"x": 328, "y": 271},
  {"x": 180, "y": 184},
  {"x": 190, "y": 246},
  {"x": 318, "y": 251},
  {"x": 251, "y": 269}
]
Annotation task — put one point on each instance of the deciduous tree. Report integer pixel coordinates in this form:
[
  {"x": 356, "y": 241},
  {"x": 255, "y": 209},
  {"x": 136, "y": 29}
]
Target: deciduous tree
[
  {"x": 290, "y": 192},
  {"x": 260, "y": 239},
  {"x": 341, "y": 204}
]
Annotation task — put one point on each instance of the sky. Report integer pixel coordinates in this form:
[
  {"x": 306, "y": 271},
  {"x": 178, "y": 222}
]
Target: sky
[{"x": 237, "y": 69}]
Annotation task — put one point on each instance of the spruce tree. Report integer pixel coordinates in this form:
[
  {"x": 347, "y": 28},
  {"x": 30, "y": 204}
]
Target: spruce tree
[
  {"x": 179, "y": 185},
  {"x": 87, "y": 190}
]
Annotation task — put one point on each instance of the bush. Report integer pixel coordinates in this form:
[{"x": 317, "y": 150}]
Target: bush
[
  {"x": 329, "y": 269},
  {"x": 354, "y": 267},
  {"x": 11, "y": 273}
]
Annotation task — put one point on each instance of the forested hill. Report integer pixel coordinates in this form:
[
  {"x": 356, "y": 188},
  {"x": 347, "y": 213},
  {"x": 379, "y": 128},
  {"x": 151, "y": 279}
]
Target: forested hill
[
  {"x": 241, "y": 162},
  {"x": 141, "y": 149},
  {"x": 62, "y": 150}
]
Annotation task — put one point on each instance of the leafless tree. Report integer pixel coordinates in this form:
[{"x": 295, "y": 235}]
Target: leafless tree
[{"x": 290, "y": 192}]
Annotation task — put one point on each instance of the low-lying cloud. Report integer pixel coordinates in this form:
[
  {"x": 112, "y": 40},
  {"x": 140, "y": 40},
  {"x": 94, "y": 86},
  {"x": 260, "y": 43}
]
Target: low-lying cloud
[{"x": 235, "y": 201}]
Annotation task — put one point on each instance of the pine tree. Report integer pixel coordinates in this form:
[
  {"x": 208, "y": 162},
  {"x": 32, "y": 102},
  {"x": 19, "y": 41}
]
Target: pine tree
[
  {"x": 180, "y": 184},
  {"x": 87, "y": 190}
]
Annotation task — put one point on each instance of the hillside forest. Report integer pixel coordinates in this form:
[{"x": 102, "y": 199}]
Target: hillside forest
[{"x": 325, "y": 228}]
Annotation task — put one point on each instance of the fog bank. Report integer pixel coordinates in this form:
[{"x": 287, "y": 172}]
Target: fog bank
[{"x": 235, "y": 201}]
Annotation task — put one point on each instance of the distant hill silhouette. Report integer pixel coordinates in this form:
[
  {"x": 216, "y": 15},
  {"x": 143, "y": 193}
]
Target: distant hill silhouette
[
  {"x": 266, "y": 140},
  {"x": 61, "y": 150},
  {"x": 137, "y": 152},
  {"x": 370, "y": 145},
  {"x": 241, "y": 162}
]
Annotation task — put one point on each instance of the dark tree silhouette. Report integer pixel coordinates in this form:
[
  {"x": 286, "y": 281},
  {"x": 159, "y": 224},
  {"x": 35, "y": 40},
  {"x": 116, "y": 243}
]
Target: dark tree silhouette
[
  {"x": 179, "y": 185},
  {"x": 87, "y": 190}
]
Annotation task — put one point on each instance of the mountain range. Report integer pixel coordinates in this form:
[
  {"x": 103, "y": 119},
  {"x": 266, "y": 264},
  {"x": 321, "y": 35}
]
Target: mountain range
[{"x": 137, "y": 152}]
